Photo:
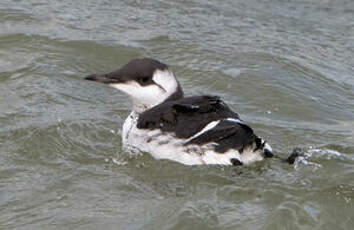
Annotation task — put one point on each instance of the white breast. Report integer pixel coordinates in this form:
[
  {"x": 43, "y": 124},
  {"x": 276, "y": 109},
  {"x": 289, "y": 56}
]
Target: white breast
[{"x": 163, "y": 145}]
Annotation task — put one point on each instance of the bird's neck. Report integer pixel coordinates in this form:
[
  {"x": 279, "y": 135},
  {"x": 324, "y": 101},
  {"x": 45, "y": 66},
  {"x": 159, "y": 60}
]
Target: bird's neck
[{"x": 139, "y": 107}]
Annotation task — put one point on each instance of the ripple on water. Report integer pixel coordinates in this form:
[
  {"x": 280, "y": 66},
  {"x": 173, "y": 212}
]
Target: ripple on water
[{"x": 62, "y": 167}]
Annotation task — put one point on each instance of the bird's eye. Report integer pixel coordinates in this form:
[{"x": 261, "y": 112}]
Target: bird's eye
[{"x": 144, "y": 80}]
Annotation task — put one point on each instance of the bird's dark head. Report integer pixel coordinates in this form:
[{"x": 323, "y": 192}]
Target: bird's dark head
[{"x": 147, "y": 81}]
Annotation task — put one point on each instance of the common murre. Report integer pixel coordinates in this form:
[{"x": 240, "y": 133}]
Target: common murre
[{"x": 190, "y": 130}]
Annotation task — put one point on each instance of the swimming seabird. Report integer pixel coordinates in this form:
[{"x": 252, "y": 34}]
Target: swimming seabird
[{"x": 190, "y": 130}]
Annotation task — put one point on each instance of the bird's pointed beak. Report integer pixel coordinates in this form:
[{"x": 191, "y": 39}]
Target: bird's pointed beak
[{"x": 104, "y": 78}]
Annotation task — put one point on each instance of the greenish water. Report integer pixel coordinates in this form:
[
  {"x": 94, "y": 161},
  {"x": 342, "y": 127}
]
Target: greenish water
[{"x": 285, "y": 66}]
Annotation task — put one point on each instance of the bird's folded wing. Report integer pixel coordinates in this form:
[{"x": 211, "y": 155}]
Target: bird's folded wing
[
  {"x": 187, "y": 116},
  {"x": 225, "y": 134}
]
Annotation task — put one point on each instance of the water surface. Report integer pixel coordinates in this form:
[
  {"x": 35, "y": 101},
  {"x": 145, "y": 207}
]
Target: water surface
[{"x": 285, "y": 66}]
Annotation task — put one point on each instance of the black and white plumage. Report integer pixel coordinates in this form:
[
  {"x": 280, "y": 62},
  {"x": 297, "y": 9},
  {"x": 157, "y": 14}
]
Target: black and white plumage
[{"x": 191, "y": 130}]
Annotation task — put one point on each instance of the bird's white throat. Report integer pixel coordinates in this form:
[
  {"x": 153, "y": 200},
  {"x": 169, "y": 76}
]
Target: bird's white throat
[{"x": 145, "y": 97}]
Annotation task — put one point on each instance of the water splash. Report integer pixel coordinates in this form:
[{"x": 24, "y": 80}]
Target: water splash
[
  {"x": 327, "y": 153},
  {"x": 119, "y": 162},
  {"x": 302, "y": 160},
  {"x": 311, "y": 153}
]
